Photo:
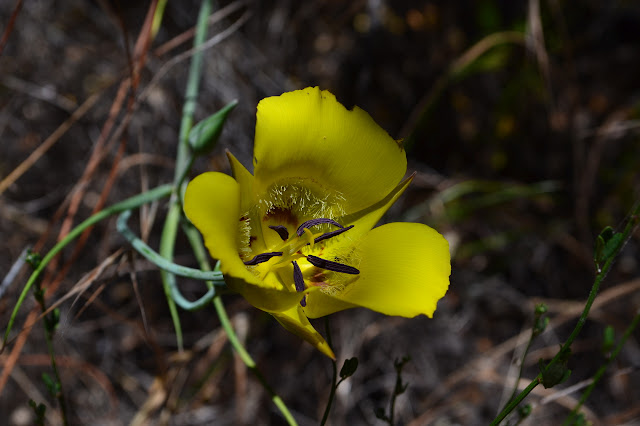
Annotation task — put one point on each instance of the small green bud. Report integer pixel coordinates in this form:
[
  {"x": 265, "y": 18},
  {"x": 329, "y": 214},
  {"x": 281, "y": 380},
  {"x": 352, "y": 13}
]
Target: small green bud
[
  {"x": 607, "y": 245},
  {"x": 524, "y": 411},
  {"x": 540, "y": 326},
  {"x": 52, "y": 386},
  {"x": 39, "y": 410},
  {"x": 555, "y": 373},
  {"x": 580, "y": 420},
  {"x": 204, "y": 135},
  {"x": 349, "y": 367},
  {"x": 380, "y": 414},
  {"x": 608, "y": 339},
  {"x": 541, "y": 308},
  {"x": 33, "y": 258}
]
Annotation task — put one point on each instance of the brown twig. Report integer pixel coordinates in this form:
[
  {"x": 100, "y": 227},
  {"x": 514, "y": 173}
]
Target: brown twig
[
  {"x": 49, "y": 142},
  {"x": 188, "y": 35},
  {"x": 9, "y": 28},
  {"x": 76, "y": 197}
]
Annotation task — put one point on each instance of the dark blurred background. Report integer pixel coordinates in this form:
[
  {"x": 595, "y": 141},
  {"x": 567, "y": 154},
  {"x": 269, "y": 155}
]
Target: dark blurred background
[{"x": 522, "y": 119}]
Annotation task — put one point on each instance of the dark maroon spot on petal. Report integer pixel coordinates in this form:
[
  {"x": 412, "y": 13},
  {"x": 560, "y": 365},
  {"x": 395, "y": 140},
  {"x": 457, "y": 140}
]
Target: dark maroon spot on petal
[
  {"x": 281, "y": 230},
  {"x": 314, "y": 222},
  {"x": 327, "y": 235},
  {"x": 252, "y": 238},
  {"x": 298, "y": 279},
  {"x": 332, "y": 266},
  {"x": 279, "y": 215},
  {"x": 319, "y": 277},
  {"x": 262, "y": 257},
  {"x": 243, "y": 218}
]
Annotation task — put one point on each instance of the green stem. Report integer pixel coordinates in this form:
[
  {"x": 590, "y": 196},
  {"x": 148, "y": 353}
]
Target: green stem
[
  {"x": 634, "y": 218},
  {"x": 167, "y": 245},
  {"x": 130, "y": 203},
  {"x": 191, "y": 94},
  {"x": 49, "y": 329},
  {"x": 212, "y": 278},
  {"x": 566, "y": 345},
  {"x": 600, "y": 373},
  {"x": 517, "y": 400},
  {"x": 521, "y": 369},
  {"x": 334, "y": 378},
  {"x": 183, "y": 163},
  {"x": 249, "y": 362},
  {"x": 201, "y": 255}
]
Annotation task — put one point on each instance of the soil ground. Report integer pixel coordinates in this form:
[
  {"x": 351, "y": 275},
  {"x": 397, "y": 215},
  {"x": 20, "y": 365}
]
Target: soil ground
[{"x": 521, "y": 119}]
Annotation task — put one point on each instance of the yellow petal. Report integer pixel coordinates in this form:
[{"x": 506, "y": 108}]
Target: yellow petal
[
  {"x": 295, "y": 321},
  {"x": 212, "y": 204},
  {"x": 264, "y": 298},
  {"x": 404, "y": 271},
  {"x": 308, "y": 136}
]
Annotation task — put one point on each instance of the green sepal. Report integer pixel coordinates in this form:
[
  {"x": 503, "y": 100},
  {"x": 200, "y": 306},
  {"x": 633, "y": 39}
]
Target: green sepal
[{"x": 204, "y": 135}]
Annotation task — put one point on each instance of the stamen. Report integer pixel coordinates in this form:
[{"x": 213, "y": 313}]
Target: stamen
[
  {"x": 331, "y": 234},
  {"x": 298, "y": 279},
  {"x": 262, "y": 257},
  {"x": 281, "y": 230},
  {"x": 331, "y": 266},
  {"x": 314, "y": 222}
]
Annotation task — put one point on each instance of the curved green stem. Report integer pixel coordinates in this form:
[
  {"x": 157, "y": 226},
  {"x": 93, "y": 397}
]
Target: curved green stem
[
  {"x": 128, "y": 204},
  {"x": 203, "y": 261},
  {"x": 212, "y": 278}
]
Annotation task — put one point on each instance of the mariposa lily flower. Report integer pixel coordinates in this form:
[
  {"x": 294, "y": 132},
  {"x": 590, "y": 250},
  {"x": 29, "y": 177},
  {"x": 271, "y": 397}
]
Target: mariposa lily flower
[{"x": 297, "y": 238}]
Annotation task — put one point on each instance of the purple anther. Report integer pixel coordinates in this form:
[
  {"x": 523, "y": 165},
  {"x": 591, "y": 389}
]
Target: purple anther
[
  {"x": 303, "y": 302},
  {"x": 314, "y": 222},
  {"x": 298, "y": 279},
  {"x": 281, "y": 230},
  {"x": 262, "y": 257},
  {"x": 327, "y": 235},
  {"x": 331, "y": 266}
]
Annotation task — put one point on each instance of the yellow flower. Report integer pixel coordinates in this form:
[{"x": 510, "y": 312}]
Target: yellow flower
[{"x": 296, "y": 238}]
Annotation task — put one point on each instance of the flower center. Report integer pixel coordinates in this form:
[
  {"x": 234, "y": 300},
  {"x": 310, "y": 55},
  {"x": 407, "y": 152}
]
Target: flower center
[{"x": 291, "y": 250}]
